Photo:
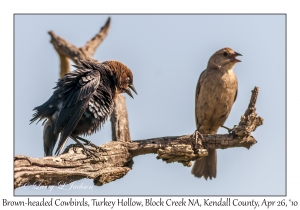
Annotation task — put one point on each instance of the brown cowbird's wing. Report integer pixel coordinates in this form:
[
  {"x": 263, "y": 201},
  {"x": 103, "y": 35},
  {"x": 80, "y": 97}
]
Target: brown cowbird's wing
[
  {"x": 206, "y": 166},
  {"x": 75, "y": 100},
  {"x": 236, "y": 92},
  {"x": 198, "y": 88}
]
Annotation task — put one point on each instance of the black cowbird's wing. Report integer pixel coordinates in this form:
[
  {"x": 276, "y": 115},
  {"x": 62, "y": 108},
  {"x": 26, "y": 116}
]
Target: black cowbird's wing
[{"x": 75, "y": 101}]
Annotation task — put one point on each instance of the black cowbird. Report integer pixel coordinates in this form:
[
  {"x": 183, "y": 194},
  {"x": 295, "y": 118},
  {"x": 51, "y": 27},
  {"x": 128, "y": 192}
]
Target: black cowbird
[
  {"x": 216, "y": 92},
  {"x": 82, "y": 101}
]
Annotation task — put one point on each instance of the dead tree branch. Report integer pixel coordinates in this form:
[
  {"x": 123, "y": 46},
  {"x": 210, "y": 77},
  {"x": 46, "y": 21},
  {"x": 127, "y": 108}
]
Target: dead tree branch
[
  {"x": 113, "y": 164},
  {"x": 119, "y": 120},
  {"x": 64, "y": 48}
]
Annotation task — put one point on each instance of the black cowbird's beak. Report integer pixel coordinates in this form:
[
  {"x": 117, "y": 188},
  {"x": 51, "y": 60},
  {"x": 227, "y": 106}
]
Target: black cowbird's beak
[
  {"x": 132, "y": 88},
  {"x": 129, "y": 92},
  {"x": 233, "y": 58}
]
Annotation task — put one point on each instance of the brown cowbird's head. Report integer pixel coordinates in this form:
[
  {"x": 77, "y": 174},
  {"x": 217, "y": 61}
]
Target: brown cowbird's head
[
  {"x": 224, "y": 59},
  {"x": 124, "y": 77}
]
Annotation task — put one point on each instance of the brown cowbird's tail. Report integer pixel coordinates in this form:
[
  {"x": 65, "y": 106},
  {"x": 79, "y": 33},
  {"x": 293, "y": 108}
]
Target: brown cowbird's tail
[{"x": 206, "y": 166}]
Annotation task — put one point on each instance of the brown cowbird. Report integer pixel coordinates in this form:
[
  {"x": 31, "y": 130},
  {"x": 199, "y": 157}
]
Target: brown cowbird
[
  {"x": 216, "y": 92},
  {"x": 82, "y": 101}
]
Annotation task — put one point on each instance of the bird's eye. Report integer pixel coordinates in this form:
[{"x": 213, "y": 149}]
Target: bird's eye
[
  {"x": 225, "y": 53},
  {"x": 128, "y": 79}
]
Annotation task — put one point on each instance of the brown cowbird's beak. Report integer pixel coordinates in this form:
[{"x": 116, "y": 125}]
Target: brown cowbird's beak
[
  {"x": 129, "y": 92},
  {"x": 237, "y": 54},
  {"x": 233, "y": 58}
]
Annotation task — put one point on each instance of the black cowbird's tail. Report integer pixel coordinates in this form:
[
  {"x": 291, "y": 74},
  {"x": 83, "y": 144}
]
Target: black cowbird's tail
[
  {"x": 206, "y": 166},
  {"x": 50, "y": 138},
  {"x": 38, "y": 115},
  {"x": 44, "y": 112}
]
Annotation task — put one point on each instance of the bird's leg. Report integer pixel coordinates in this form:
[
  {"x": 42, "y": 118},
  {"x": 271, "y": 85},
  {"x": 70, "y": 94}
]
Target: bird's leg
[
  {"x": 199, "y": 148},
  {"x": 230, "y": 130},
  {"x": 86, "y": 151},
  {"x": 197, "y": 134},
  {"x": 89, "y": 143}
]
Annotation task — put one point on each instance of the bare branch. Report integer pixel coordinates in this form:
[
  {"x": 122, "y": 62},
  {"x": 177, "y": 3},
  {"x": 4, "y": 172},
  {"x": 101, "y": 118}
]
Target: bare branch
[
  {"x": 64, "y": 65},
  {"x": 65, "y": 48},
  {"x": 116, "y": 161},
  {"x": 86, "y": 52},
  {"x": 119, "y": 120},
  {"x": 250, "y": 120},
  {"x": 72, "y": 166},
  {"x": 90, "y": 47}
]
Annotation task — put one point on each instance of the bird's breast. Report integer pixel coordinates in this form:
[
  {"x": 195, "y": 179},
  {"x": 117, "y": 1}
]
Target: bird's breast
[{"x": 214, "y": 102}]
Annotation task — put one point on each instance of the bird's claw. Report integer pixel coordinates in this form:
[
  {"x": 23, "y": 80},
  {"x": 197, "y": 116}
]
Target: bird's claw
[
  {"x": 89, "y": 153},
  {"x": 230, "y": 130},
  {"x": 197, "y": 135},
  {"x": 89, "y": 143},
  {"x": 99, "y": 149},
  {"x": 75, "y": 149}
]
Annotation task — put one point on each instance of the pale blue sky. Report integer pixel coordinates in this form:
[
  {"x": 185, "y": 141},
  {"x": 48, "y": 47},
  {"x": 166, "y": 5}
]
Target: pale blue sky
[{"x": 166, "y": 54}]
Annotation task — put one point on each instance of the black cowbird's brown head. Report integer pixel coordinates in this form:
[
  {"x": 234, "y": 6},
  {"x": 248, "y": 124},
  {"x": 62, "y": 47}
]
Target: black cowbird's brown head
[
  {"x": 124, "y": 77},
  {"x": 224, "y": 59}
]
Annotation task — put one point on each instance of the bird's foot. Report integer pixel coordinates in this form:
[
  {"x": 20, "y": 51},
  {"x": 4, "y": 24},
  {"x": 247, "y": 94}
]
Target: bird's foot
[
  {"x": 197, "y": 135},
  {"x": 230, "y": 130},
  {"x": 198, "y": 146},
  {"x": 89, "y": 143},
  {"x": 88, "y": 152},
  {"x": 99, "y": 149}
]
